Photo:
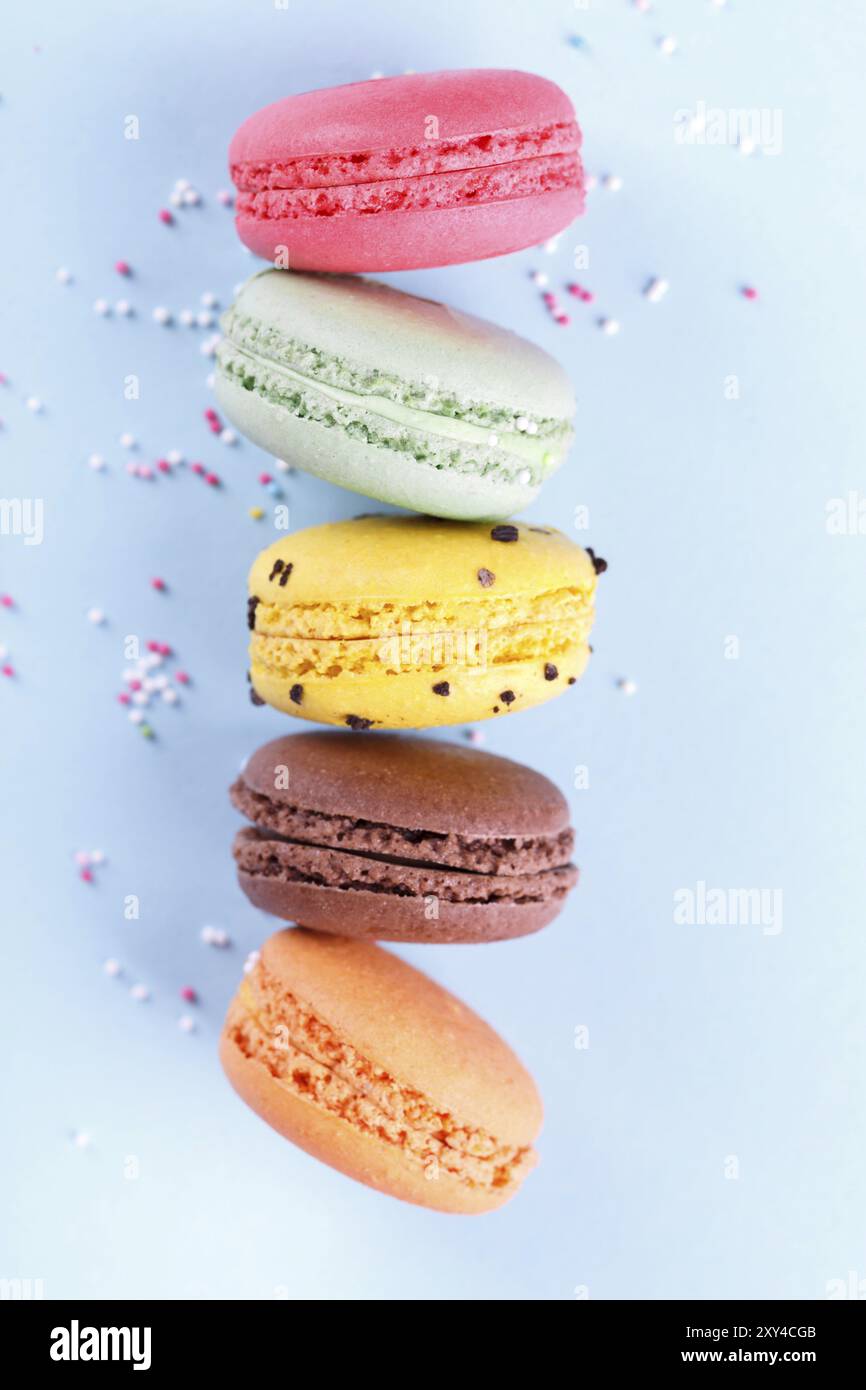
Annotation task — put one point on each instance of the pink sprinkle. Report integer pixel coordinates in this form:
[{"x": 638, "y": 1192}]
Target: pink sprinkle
[
  {"x": 182, "y": 678},
  {"x": 82, "y": 857},
  {"x": 123, "y": 267},
  {"x": 3, "y": 378},
  {"x": 7, "y": 600},
  {"x": 8, "y": 670},
  {"x": 563, "y": 319},
  {"x": 134, "y": 683},
  {"x": 158, "y": 584},
  {"x": 212, "y": 479},
  {"x": 749, "y": 292},
  {"x": 86, "y": 875},
  {"x": 215, "y": 427},
  {"x": 574, "y": 289},
  {"x": 153, "y": 646},
  {"x": 123, "y": 698},
  {"x": 189, "y": 994},
  {"x": 145, "y": 472},
  {"x": 549, "y": 298},
  {"x": 166, "y": 217},
  {"x": 163, "y": 465},
  {"x": 197, "y": 468},
  {"x": 210, "y": 414},
  {"x": 265, "y": 478}
]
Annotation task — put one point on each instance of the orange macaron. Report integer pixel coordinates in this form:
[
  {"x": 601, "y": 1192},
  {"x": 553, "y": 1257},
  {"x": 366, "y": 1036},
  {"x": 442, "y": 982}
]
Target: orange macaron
[{"x": 371, "y": 1067}]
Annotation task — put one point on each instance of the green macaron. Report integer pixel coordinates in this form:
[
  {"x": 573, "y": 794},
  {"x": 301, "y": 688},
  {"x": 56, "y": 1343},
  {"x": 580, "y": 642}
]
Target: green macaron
[{"x": 400, "y": 398}]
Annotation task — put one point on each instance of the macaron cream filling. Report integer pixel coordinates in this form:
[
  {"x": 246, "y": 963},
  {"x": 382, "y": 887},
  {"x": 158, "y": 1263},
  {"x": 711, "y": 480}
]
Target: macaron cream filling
[
  {"x": 304, "y": 1054},
  {"x": 507, "y": 855},
  {"x": 386, "y": 412},
  {"x": 433, "y": 157}
]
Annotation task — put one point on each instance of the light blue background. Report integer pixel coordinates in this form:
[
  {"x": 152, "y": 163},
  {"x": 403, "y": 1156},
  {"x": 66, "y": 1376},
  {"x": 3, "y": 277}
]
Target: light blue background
[{"x": 705, "y": 1042}]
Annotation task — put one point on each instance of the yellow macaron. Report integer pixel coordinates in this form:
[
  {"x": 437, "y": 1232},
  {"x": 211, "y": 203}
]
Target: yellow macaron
[{"x": 394, "y": 622}]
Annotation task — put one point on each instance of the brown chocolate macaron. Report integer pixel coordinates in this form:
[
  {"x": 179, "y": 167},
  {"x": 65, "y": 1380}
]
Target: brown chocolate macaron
[
  {"x": 401, "y": 839},
  {"x": 369, "y": 1066}
]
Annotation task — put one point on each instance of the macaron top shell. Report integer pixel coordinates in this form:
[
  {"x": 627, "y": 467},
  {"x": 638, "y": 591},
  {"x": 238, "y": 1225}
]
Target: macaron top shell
[
  {"x": 416, "y": 1031},
  {"x": 420, "y": 561},
  {"x": 368, "y": 338},
  {"x": 393, "y": 114},
  {"x": 409, "y": 782}
]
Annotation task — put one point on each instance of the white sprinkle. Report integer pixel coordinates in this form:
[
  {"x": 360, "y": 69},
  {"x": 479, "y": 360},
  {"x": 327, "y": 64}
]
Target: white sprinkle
[
  {"x": 63, "y": 276},
  {"x": 140, "y": 698},
  {"x": 667, "y": 45},
  {"x": 493, "y": 440},
  {"x": 612, "y": 182},
  {"x": 82, "y": 857},
  {"x": 113, "y": 968},
  {"x": 97, "y": 856},
  {"x": 174, "y": 457},
  {"x": 181, "y": 185},
  {"x": 656, "y": 290},
  {"x": 209, "y": 346},
  {"x": 628, "y": 687},
  {"x": 609, "y": 326},
  {"x": 251, "y": 961},
  {"x": 81, "y": 1140},
  {"x": 127, "y": 441},
  {"x": 186, "y": 1023},
  {"x": 210, "y": 380},
  {"x": 224, "y": 197},
  {"x": 590, "y": 182},
  {"x": 228, "y": 437},
  {"x": 101, "y": 306},
  {"x": 170, "y": 696},
  {"x": 191, "y": 198},
  {"x": 4, "y": 652},
  {"x": 552, "y": 245},
  {"x": 209, "y": 299},
  {"x": 531, "y": 427},
  {"x": 161, "y": 314},
  {"x": 95, "y": 615},
  {"x": 149, "y": 683},
  {"x": 521, "y": 423},
  {"x": 159, "y": 682},
  {"x": 283, "y": 466},
  {"x": 524, "y": 477},
  {"x": 176, "y": 200},
  {"x": 204, "y": 319},
  {"x": 540, "y": 279},
  {"x": 187, "y": 318},
  {"x": 215, "y": 936},
  {"x": 96, "y": 462},
  {"x": 135, "y": 716},
  {"x": 140, "y": 993},
  {"x": 33, "y": 403},
  {"x": 124, "y": 308}
]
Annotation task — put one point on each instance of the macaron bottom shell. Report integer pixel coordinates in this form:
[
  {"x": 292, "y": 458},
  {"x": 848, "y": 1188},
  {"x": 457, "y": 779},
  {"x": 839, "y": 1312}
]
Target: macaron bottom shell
[
  {"x": 418, "y": 699},
  {"x": 383, "y": 474},
  {"x": 329, "y": 1139},
  {"x": 411, "y": 239},
  {"x": 428, "y": 919}
]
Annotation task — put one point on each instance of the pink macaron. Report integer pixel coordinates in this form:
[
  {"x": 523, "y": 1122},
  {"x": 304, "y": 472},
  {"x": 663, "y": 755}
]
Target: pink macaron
[{"x": 400, "y": 173}]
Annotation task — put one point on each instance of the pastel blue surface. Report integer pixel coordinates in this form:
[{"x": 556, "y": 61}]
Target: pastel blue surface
[{"x": 710, "y": 1139}]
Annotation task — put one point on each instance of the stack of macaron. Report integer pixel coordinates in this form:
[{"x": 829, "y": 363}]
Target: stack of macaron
[{"x": 394, "y": 622}]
